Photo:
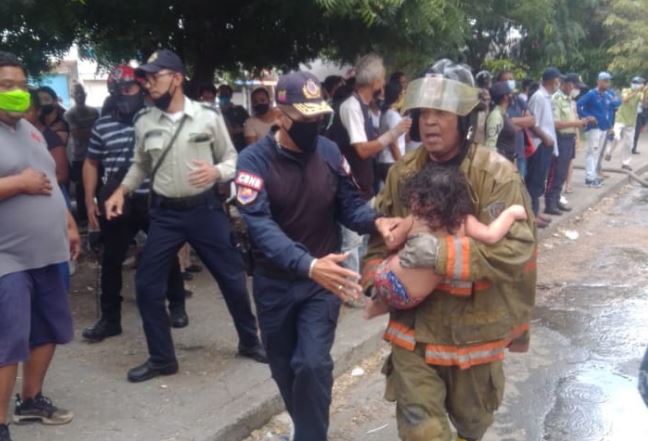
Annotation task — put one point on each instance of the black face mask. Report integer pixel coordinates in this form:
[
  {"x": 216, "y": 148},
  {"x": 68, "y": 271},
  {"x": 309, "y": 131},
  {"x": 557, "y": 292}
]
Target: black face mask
[
  {"x": 304, "y": 134},
  {"x": 128, "y": 105},
  {"x": 261, "y": 109},
  {"x": 164, "y": 101},
  {"x": 47, "y": 109}
]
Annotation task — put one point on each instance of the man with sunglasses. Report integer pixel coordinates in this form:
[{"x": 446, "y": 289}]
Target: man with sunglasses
[
  {"x": 293, "y": 187},
  {"x": 184, "y": 148}
]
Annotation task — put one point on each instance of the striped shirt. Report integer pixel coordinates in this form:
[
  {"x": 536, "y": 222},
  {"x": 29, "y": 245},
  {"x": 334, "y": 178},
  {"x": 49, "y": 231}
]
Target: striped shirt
[{"x": 112, "y": 143}]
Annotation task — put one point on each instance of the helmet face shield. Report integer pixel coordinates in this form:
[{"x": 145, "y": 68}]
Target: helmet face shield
[{"x": 437, "y": 92}]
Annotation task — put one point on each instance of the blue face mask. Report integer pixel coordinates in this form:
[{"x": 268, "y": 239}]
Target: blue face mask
[
  {"x": 224, "y": 100},
  {"x": 511, "y": 84}
]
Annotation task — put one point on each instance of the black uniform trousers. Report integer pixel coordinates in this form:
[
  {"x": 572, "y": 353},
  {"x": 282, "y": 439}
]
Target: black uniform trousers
[
  {"x": 298, "y": 319},
  {"x": 537, "y": 169},
  {"x": 206, "y": 228},
  {"x": 117, "y": 236},
  {"x": 559, "y": 169}
]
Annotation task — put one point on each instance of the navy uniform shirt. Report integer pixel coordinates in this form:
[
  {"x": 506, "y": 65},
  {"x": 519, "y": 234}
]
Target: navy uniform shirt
[{"x": 292, "y": 203}]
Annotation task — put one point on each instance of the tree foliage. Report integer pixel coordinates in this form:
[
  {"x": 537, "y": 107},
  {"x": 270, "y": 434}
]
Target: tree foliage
[
  {"x": 235, "y": 35},
  {"x": 626, "y": 23},
  {"x": 39, "y": 31}
]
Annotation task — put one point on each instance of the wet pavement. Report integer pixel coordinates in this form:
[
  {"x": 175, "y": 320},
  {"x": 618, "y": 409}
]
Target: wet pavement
[
  {"x": 577, "y": 383},
  {"x": 590, "y": 329}
]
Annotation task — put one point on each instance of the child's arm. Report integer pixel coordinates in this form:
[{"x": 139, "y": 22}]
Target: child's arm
[{"x": 496, "y": 230}]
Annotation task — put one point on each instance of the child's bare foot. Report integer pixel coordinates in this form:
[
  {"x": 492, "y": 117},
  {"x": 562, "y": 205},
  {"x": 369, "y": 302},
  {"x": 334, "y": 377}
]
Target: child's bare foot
[{"x": 374, "y": 308}]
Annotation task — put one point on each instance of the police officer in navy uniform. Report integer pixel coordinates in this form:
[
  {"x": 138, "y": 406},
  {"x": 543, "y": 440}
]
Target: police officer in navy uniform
[
  {"x": 184, "y": 147},
  {"x": 293, "y": 187}
]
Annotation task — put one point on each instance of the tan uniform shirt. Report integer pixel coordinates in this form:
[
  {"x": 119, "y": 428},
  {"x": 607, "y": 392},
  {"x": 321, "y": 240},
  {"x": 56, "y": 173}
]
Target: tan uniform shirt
[{"x": 203, "y": 137}]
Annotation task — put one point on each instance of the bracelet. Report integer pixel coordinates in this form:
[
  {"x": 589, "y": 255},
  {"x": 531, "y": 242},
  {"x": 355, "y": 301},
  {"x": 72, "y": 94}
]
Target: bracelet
[{"x": 310, "y": 268}]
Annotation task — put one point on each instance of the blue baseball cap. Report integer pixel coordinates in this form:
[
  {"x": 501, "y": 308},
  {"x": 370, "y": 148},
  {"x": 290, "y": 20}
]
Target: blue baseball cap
[
  {"x": 500, "y": 89},
  {"x": 604, "y": 76},
  {"x": 551, "y": 73},
  {"x": 162, "y": 59},
  {"x": 575, "y": 79},
  {"x": 302, "y": 92}
]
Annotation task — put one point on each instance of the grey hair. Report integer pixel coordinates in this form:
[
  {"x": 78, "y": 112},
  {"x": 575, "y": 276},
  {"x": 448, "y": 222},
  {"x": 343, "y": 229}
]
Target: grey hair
[{"x": 369, "y": 69}]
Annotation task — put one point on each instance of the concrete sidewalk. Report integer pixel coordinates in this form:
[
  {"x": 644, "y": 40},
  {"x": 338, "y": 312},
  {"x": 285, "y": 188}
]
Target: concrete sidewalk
[{"x": 216, "y": 396}]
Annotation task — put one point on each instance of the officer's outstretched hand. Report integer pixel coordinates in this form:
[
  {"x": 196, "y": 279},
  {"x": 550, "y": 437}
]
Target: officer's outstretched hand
[
  {"x": 115, "y": 204},
  {"x": 328, "y": 273}
]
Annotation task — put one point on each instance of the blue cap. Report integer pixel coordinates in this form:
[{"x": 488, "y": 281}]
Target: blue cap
[
  {"x": 500, "y": 89},
  {"x": 575, "y": 79},
  {"x": 162, "y": 59},
  {"x": 604, "y": 76},
  {"x": 302, "y": 91},
  {"x": 551, "y": 73}
]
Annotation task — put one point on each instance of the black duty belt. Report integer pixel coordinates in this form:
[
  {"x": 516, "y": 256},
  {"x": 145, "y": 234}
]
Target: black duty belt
[{"x": 187, "y": 203}]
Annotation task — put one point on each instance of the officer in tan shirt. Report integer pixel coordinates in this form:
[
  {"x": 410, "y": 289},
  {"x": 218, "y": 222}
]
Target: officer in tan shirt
[{"x": 184, "y": 208}]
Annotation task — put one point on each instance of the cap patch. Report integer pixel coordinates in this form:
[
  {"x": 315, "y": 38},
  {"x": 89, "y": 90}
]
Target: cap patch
[
  {"x": 152, "y": 58},
  {"x": 281, "y": 96},
  {"x": 311, "y": 90}
]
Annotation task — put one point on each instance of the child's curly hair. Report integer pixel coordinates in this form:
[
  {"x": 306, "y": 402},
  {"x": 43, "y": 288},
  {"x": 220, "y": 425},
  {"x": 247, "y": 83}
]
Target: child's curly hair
[{"x": 439, "y": 195}]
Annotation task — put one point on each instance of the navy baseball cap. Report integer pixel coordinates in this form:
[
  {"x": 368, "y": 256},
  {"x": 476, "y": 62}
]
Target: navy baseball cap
[
  {"x": 551, "y": 73},
  {"x": 162, "y": 59},
  {"x": 302, "y": 92},
  {"x": 499, "y": 89},
  {"x": 576, "y": 80}
]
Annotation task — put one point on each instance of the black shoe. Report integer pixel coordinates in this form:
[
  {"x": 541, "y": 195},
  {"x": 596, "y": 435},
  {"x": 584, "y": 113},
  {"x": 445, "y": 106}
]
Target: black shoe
[
  {"x": 4, "y": 433},
  {"x": 563, "y": 207},
  {"x": 256, "y": 353},
  {"x": 188, "y": 293},
  {"x": 149, "y": 370},
  {"x": 194, "y": 268},
  {"x": 102, "y": 330},
  {"x": 635, "y": 153},
  {"x": 179, "y": 318},
  {"x": 554, "y": 211},
  {"x": 40, "y": 408},
  {"x": 187, "y": 276}
]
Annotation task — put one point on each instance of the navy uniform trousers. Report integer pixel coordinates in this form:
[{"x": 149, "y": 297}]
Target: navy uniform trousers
[
  {"x": 207, "y": 229},
  {"x": 559, "y": 169},
  {"x": 536, "y": 178},
  {"x": 297, "y": 320}
]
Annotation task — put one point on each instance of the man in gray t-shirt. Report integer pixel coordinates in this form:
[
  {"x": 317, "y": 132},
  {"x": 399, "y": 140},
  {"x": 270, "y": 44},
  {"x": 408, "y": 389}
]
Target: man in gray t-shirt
[{"x": 37, "y": 235}]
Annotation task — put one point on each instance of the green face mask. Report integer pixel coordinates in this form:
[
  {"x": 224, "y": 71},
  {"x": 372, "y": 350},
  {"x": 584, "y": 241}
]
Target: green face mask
[{"x": 16, "y": 100}]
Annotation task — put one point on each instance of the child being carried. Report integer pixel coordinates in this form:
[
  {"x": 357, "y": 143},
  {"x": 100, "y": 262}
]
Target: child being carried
[{"x": 440, "y": 204}]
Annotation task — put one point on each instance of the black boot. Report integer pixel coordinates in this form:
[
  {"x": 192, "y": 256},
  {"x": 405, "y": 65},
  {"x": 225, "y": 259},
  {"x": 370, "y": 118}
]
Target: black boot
[
  {"x": 552, "y": 208},
  {"x": 179, "y": 318},
  {"x": 256, "y": 353},
  {"x": 102, "y": 330}
]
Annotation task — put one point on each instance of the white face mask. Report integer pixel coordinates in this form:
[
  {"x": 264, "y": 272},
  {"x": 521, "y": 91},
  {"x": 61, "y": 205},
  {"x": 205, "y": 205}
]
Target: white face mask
[
  {"x": 635, "y": 86},
  {"x": 574, "y": 93},
  {"x": 511, "y": 84}
]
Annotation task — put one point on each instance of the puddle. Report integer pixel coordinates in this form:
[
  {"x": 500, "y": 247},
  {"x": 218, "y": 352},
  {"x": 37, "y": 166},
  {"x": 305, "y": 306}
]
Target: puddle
[{"x": 597, "y": 405}]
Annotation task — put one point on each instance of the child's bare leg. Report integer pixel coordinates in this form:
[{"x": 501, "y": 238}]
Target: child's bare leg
[{"x": 374, "y": 308}]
